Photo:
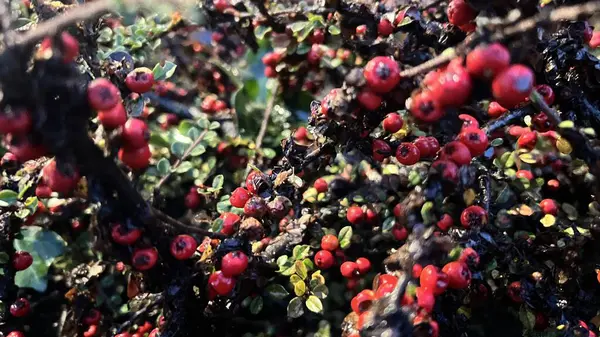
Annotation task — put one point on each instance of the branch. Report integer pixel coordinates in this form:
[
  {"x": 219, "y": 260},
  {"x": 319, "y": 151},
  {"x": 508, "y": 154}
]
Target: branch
[
  {"x": 263, "y": 126},
  {"x": 185, "y": 155},
  {"x": 539, "y": 102},
  {"x": 178, "y": 224}
]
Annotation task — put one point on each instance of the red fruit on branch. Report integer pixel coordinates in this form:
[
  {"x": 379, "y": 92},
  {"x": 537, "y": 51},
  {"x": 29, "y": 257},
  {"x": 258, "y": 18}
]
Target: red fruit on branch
[
  {"x": 392, "y": 123},
  {"x": 320, "y": 185},
  {"x": 70, "y": 47},
  {"x": 144, "y": 259},
  {"x": 183, "y": 247},
  {"x": 457, "y": 152},
  {"x": 549, "y": 206},
  {"x": 546, "y": 92},
  {"x": 15, "y": 334},
  {"x": 362, "y": 301},
  {"x": 382, "y": 74},
  {"x": 524, "y": 174},
  {"x": 381, "y": 150},
  {"x": 21, "y": 260},
  {"x": 445, "y": 222},
  {"x": 255, "y": 207},
  {"x": 58, "y": 181},
  {"x": 324, "y": 259},
  {"x": 400, "y": 233},
  {"x": 453, "y": 87},
  {"x": 459, "y": 275},
  {"x": 434, "y": 279},
  {"x": 355, "y": 215},
  {"x": 20, "y": 307},
  {"x": 221, "y": 5},
  {"x": 473, "y": 216},
  {"x": 256, "y": 182},
  {"x": 384, "y": 27},
  {"x": 349, "y": 269},
  {"x": 192, "y": 200},
  {"x": 488, "y": 61},
  {"x": 239, "y": 197},
  {"x": 136, "y": 159},
  {"x": 123, "y": 236},
  {"x": 408, "y": 154},
  {"x": 234, "y": 264},
  {"x": 93, "y": 317},
  {"x": 369, "y": 99},
  {"x": 220, "y": 283},
  {"x": 469, "y": 256},
  {"x": 446, "y": 168},
  {"x": 513, "y": 85},
  {"x": 140, "y": 80},
  {"x": 329, "y": 242},
  {"x": 364, "y": 265},
  {"x": 135, "y": 133},
  {"x": 496, "y": 110},
  {"x": 426, "y": 107},
  {"x": 475, "y": 139},
  {"x": 114, "y": 117},
  {"x": 425, "y": 299},
  {"x": 230, "y": 220},
  {"x": 102, "y": 94},
  {"x": 460, "y": 13}
]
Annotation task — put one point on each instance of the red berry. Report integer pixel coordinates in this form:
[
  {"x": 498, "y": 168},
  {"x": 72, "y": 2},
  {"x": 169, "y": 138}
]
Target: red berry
[
  {"x": 468, "y": 121},
  {"x": 362, "y": 301},
  {"x": 496, "y": 110},
  {"x": 329, "y": 102},
  {"x": 221, "y": 5},
  {"x": 192, "y": 200},
  {"x": 229, "y": 222},
  {"x": 475, "y": 139},
  {"x": 425, "y": 107},
  {"x": 595, "y": 40},
  {"x": 70, "y": 47},
  {"x": 588, "y": 32},
  {"x": 24, "y": 149},
  {"x": 382, "y": 74},
  {"x": 144, "y": 259},
  {"x": 398, "y": 211},
  {"x": 16, "y": 121},
  {"x": 256, "y": 182},
  {"x": 270, "y": 72},
  {"x": 546, "y": 92},
  {"x": 434, "y": 279},
  {"x": 124, "y": 236},
  {"x": 58, "y": 181},
  {"x": 361, "y": 30},
  {"x": 355, "y": 215},
  {"x": 434, "y": 144},
  {"x": 220, "y": 105},
  {"x": 460, "y": 13},
  {"x": 140, "y": 80},
  {"x": 386, "y": 279},
  {"x": 453, "y": 86},
  {"x": 473, "y": 216},
  {"x": 469, "y": 256},
  {"x": 446, "y": 168},
  {"x": 349, "y": 269},
  {"x": 425, "y": 299},
  {"x": 329, "y": 242},
  {"x": 371, "y": 217},
  {"x": 431, "y": 78},
  {"x": 135, "y": 159},
  {"x": 20, "y": 307},
  {"x": 92, "y": 317},
  {"x": 384, "y": 289},
  {"x": 514, "y": 292},
  {"x": 513, "y": 85},
  {"x": 524, "y": 174},
  {"x": 324, "y": 259},
  {"x": 400, "y": 233},
  {"x": 183, "y": 247},
  {"x": 549, "y": 206},
  {"x": 135, "y": 133},
  {"x": 255, "y": 207},
  {"x": 301, "y": 134},
  {"x": 364, "y": 265},
  {"x": 239, "y": 197},
  {"x": 381, "y": 150},
  {"x": 234, "y": 264},
  {"x": 457, "y": 152},
  {"x": 424, "y": 146},
  {"x": 459, "y": 275},
  {"x": 369, "y": 99},
  {"x": 114, "y": 117},
  {"x": 15, "y": 334},
  {"x": 154, "y": 333},
  {"x": 318, "y": 36},
  {"x": 445, "y": 222},
  {"x": 220, "y": 283},
  {"x": 9, "y": 159},
  {"x": 527, "y": 140},
  {"x": 384, "y": 27},
  {"x": 417, "y": 270},
  {"x": 21, "y": 260},
  {"x": 392, "y": 123},
  {"x": 488, "y": 61},
  {"x": 321, "y": 185},
  {"x": 408, "y": 154},
  {"x": 102, "y": 94},
  {"x": 314, "y": 54},
  {"x": 272, "y": 59}
]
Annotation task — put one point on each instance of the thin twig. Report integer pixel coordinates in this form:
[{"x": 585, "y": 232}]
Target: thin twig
[
  {"x": 263, "y": 126},
  {"x": 431, "y": 64},
  {"x": 540, "y": 103},
  {"x": 185, "y": 155},
  {"x": 178, "y": 224}
]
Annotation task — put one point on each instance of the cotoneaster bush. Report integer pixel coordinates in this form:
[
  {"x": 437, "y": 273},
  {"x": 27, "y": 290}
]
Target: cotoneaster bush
[{"x": 283, "y": 169}]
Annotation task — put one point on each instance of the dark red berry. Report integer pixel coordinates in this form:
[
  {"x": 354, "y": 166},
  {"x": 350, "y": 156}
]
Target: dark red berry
[
  {"x": 144, "y": 259},
  {"x": 475, "y": 139},
  {"x": 93, "y": 317},
  {"x": 230, "y": 220},
  {"x": 318, "y": 36},
  {"x": 124, "y": 236},
  {"x": 355, "y": 215},
  {"x": 468, "y": 121},
  {"x": 58, "y": 181},
  {"x": 21, "y": 260},
  {"x": 24, "y": 149},
  {"x": 364, "y": 265},
  {"x": 546, "y": 92},
  {"x": 20, "y": 307},
  {"x": 239, "y": 197},
  {"x": 445, "y": 222},
  {"x": 515, "y": 292},
  {"x": 270, "y": 72},
  {"x": 192, "y": 200},
  {"x": 135, "y": 133},
  {"x": 221, "y": 5},
  {"x": 408, "y": 154},
  {"x": 349, "y": 269},
  {"x": 496, "y": 110},
  {"x": 369, "y": 99},
  {"x": 457, "y": 152},
  {"x": 15, "y": 334},
  {"x": 329, "y": 242},
  {"x": 135, "y": 159},
  {"x": 220, "y": 283},
  {"x": 314, "y": 54},
  {"x": 446, "y": 168},
  {"x": 469, "y": 256},
  {"x": 434, "y": 279},
  {"x": 361, "y": 30},
  {"x": 183, "y": 247},
  {"x": 384, "y": 27},
  {"x": 255, "y": 207},
  {"x": 70, "y": 47},
  {"x": 393, "y": 122},
  {"x": 425, "y": 107},
  {"x": 324, "y": 259},
  {"x": 473, "y": 216},
  {"x": 381, "y": 150},
  {"x": 400, "y": 233},
  {"x": 15, "y": 121},
  {"x": 301, "y": 134},
  {"x": 488, "y": 61},
  {"x": 424, "y": 146},
  {"x": 549, "y": 206},
  {"x": 362, "y": 301},
  {"x": 513, "y": 85},
  {"x": 460, "y": 13},
  {"x": 382, "y": 74},
  {"x": 321, "y": 185},
  {"x": 434, "y": 144},
  {"x": 9, "y": 160},
  {"x": 595, "y": 40},
  {"x": 425, "y": 299},
  {"x": 256, "y": 182},
  {"x": 102, "y": 94},
  {"x": 140, "y": 80},
  {"x": 417, "y": 270},
  {"x": 453, "y": 86},
  {"x": 459, "y": 275},
  {"x": 234, "y": 264}
]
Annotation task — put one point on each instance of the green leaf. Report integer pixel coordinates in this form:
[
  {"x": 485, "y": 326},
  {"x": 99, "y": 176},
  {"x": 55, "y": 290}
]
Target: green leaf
[
  {"x": 223, "y": 206},
  {"x": 163, "y": 166},
  {"x": 214, "y": 125},
  {"x": 300, "y": 288},
  {"x": 178, "y": 149},
  {"x": 301, "y": 269},
  {"x": 295, "y": 308},
  {"x": 269, "y": 153},
  {"x": 163, "y": 72},
  {"x": 345, "y": 236},
  {"x": 287, "y": 271},
  {"x": 426, "y": 212},
  {"x": 321, "y": 291},
  {"x": 299, "y": 25},
  {"x": 184, "y": 167},
  {"x": 527, "y": 318},
  {"x": 261, "y": 30},
  {"x": 282, "y": 260},
  {"x": 198, "y": 150},
  {"x": 277, "y": 291},
  {"x": 496, "y": 142},
  {"x": 314, "y": 304},
  {"x": 388, "y": 224},
  {"x": 217, "y": 182},
  {"x": 256, "y": 305},
  {"x": 300, "y": 252},
  {"x": 334, "y": 30},
  {"x": 8, "y": 197}
]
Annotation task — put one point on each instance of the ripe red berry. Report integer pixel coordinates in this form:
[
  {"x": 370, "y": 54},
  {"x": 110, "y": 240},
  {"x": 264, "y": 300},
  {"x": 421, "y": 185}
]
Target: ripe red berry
[
  {"x": 140, "y": 80},
  {"x": 384, "y": 27},
  {"x": 192, "y": 200},
  {"x": 488, "y": 61},
  {"x": 496, "y": 110},
  {"x": 24, "y": 149},
  {"x": 400, "y": 233},
  {"x": 9, "y": 160},
  {"x": 408, "y": 154},
  {"x": 527, "y": 140},
  {"x": 384, "y": 289},
  {"x": 70, "y": 47},
  {"x": 234, "y": 264},
  {"x": 513, "y": 85},
  {"x": 362, "y": 301},
  {"x": 329, "y": 242},
  {"x": 221, "y": 5},
  {"x": 549, "y": 206},
  {"x": 457, "y": 152},
  {"x": 473, "y": 216},
  {"x": 369, "y": 99},
  {"x": 114, "y": 117},
  {"x": 256, "y": 182},
  {"x": 524, "y": 174},
  {"x": 417, "y": 270},
  {"x": 392, "y": 123},
  {"x": 446, "y": 168},
  {"x": 102, "y": 94},
  {"x": 16, "y": 121},
  {"x": 135, "y": 133},
  {"x": 270, "y": 72},
  {"x": 135, "y": 159},
  {"x": 21, "y": 260},
  {"x": 434, "y": 279},
  {"x": 460, "y": 13},
  {"x": 239, "y": 197},
  {"x": 272, "y": 59},
  {"x": 425, "y": 299},
  {"x": 382, "y": 74},
  {"x": 386, "y": 279},
  {"x": 93, "y": 317},
  {"x": 426, "y": 108},
  {"x": 355, "y": 215},
  {"x": 469, "y": 256},
  {"x": 453, "y": 86},
  {"x": 154, "y": 333},
  {"x": 123, "y": 236},
  {"x": 515, "y": 292},
  {"x": 475, "y": 139},
  {"x": 314, "y": 54},
  {"x": 255, "y": 207},
  {"x": 321, "y": 185},
  {"x": 144, "y": 259},
  {"x": 220, "y": 283},
  {"x": 229, "y": 222},
  {"x": 183, "y": 247},
  {"x": 20, "y": 307},
  {"x": 15, "y": 334},
  {"x": 318, "y": 36},
  {"x": 301, "y": 134},
  {"x": 324, "y": 259},
  {"x": 424, "y": 146},
  {"x": 445, "y": 222},
  {"x": 361, "y": 30},
  {"x": 364, "y": 265},
  {"x": 381, "y": 150},
  {"x": 434, "y": 145},
  {"x": 459, "y": 275},
  {"x": 58, "y": 181},
  {"x": 349, "y": 269}
]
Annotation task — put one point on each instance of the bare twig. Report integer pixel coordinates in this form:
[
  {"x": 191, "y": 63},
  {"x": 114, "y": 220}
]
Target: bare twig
[
  {"x": 540, "y": 103},
  {"x": 431, "y": 64},
  {"x": 178, "y": 224},
  {"x": 185, "y": 155},
  {"x": 263, "y": 127}
]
